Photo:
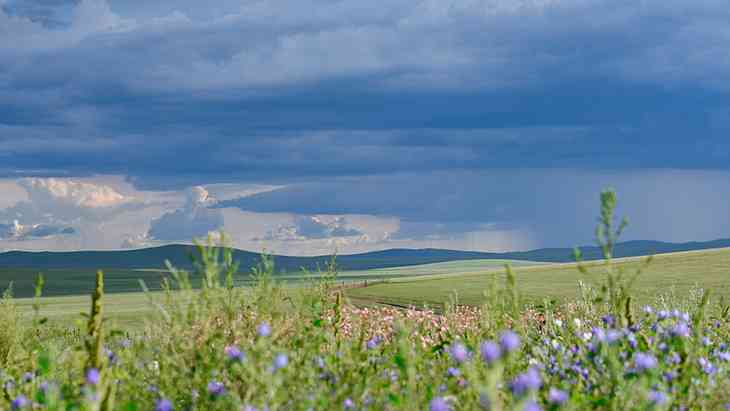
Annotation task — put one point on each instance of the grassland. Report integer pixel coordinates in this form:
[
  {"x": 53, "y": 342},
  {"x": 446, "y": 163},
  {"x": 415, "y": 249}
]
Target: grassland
[
  {"x": 677, "y": 272},
  {"x": 428, "y": 284},
  {"x": 67, "y": 291}
]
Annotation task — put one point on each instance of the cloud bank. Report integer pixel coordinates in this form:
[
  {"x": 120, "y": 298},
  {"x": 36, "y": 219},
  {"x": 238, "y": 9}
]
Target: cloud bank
[{"x": 193, "y": 221}]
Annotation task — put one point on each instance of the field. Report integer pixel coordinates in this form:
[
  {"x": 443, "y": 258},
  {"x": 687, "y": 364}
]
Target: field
[
  {"x": 222, "y": 341},
  {"x": 678, "y": 272},
  {"x": 421, "y": 285},
  {"x": 67, "y": 291},
  {"x": 256, "y": 347}
]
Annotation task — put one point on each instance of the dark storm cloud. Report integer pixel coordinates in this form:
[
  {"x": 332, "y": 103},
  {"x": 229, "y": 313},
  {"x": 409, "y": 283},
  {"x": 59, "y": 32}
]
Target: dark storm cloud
[
  {"x": 559, "y": 205},
  {"x": 349, "y": 97},
  {"x": 183, "y": 94}
]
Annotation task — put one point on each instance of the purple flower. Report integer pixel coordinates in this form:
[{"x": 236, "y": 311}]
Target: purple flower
[
  {"x": 163, "y": 404},
  {"x": 557, "y": 397},
  {"x": 608, "y": 320},
  {"x": 674, "y": 359},
  {"x": 459, "y": 352},
  {"x": 348, "y": 404},
  {"x": 233, "y": 353},
  {"x": 662, "y": 315},
  {"x": 631, "y": 338},
  {"x": 216, "y": 388},
  {"x": 249, "y": 408},
  {"x": 612, "y": 336},
  {"x": 657, "y": 397},
  {"x": 263, "y": 330},
  {"x": 599, "y": 334},
  {"x": 681, "y": 330},
  {"x": 669, "y": 376},
  {"x": 532, "y": 406},
  {"x": 509, "y": 341},
  {"x": 19, "y": 402},
  {"x": 439, "y": 404},
  {"x": 453, "y": 372},
  {"x": 707, "y": 366},
  {"x": 644, "y": 361},
  {"x": 27, "y": 377},
  {"x": 490, "y": 352},
  {"x": 373, "y": 342},
  {"x": 648, "y": 309},
  {"x": 723, "y": 355},
  {"x": 527, "y": 381},
  {"x": 280, "y": 361},
  {"x": 92, "y": 376}
]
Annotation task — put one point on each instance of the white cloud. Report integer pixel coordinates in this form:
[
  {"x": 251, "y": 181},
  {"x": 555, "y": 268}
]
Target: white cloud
[
  {"x": 314, "y": 228},
  {"x": 20, "y": 232},
  {"x": 194, "y": 220},
  {"x": 54, "y": 200}
]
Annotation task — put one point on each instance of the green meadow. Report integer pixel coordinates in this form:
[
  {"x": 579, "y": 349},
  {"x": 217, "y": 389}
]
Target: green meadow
[
  {"x": 666, "y": 273},
  {"x": 420, "y": 285}
]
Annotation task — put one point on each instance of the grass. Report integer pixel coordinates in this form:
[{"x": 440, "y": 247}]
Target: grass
[
  {"x": 266, "y": 347},
  {"x": 678, "y": 272}
]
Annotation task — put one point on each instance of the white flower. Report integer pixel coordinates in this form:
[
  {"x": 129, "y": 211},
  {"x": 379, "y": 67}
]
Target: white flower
[
  {"x": 577, "y": 322},
  {"x": 559, "y": 323}
]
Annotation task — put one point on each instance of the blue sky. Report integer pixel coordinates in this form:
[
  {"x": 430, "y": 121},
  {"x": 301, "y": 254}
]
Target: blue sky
[{"x": 304, "y": 126}]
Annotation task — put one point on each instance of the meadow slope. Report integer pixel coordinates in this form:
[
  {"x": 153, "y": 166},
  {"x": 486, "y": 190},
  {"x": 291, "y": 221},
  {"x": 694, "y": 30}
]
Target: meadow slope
[{"x": 678, "y": 272}]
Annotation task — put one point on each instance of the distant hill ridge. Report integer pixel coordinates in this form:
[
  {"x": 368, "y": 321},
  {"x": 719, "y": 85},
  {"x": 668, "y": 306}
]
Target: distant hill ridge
[{"x": 179, "y": 255}]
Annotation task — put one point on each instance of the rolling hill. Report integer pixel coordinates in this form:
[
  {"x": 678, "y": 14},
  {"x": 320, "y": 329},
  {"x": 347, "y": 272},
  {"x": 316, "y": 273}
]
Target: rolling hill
[{"x": 179, "y": 255}]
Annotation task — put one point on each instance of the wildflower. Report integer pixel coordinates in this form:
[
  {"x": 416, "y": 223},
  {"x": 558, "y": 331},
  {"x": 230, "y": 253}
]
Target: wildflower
[
  {"x": 19, "y": 402},
  {"x": 233, "y": 353},
  {"x": 527, "y": 381},
  {"x": 669, "y": 376},
  {"x": 216, "y": 388},
  {"x": 599, "y": 334},
  {"x": 490, "y": 352},
  {"x": 662, "y": 315},
  {"x": 439, "y": 404},
  {"x": 27, "y": 377},
  {"x": 510, "y": 341},
  {"x": 163, "y": 404},
  {"x": 280, "y": 361},
  {"x": 348, "y": 404},
  {"x": 459, "y": 353},
  {"x": 723, "y": 356},
  {"x": 532, "y": 406},
  {"x": 373, "y": 343},
  {"x": 707, "y": 366},
  {"x": 113, "y": 359},
  {"x": 249, "y": 408},
  {"x": 92, "y": 376},
  {"x": 657, "y": 397},
  {"x": 453, "y": 372},
  {"x": 612, "y": 336},
  {"x": 644, "y": 361},
  {"x": 631, "y": 338},
  {"x": 263, "y": 330},
  {"x": 674, "y": 358},
  {"x": 608, "y": 320},
  {"x": 681, "y": 330},
  {"x": 648, "y": 309},
  {"x": 557, "y": 397}
]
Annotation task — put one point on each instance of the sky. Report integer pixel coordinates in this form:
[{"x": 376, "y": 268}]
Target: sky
[{"x": 306, "y": 127}]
